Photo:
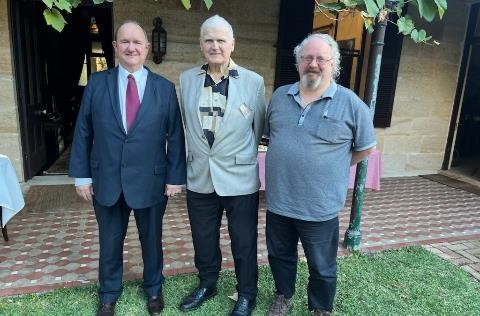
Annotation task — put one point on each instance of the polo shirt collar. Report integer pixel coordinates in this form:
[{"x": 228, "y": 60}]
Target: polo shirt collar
[{"x": 329, "y": 93}]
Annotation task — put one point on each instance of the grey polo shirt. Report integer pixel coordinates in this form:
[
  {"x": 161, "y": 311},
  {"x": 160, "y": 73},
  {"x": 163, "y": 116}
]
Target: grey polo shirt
[{"x": 310, "y": 149}]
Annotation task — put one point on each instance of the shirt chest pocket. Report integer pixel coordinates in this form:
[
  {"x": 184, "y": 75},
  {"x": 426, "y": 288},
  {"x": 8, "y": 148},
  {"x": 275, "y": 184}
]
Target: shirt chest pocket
[{"x": 333, "y": 131}]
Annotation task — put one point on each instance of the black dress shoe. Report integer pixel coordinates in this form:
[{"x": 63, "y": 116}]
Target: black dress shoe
[
  {"x": 106, "y": 309},
  {"x": 155, "y": 305},
  {"x": 197, "y": 297},
  {"x": 243, "y": 307}
]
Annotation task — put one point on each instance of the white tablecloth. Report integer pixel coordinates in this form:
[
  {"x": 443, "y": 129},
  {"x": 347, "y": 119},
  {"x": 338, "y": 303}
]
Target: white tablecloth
[
  {"x": 11, "y": 198},
  {"x": 374, "y": 172}
]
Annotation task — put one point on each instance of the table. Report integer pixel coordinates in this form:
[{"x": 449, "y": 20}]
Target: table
[
  {"x": 11, "y": 198},
  {"x": 374, "y": 172},
  {"x": 372, "y": 179}
]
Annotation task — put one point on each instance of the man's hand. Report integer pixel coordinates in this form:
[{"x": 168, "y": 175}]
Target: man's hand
[
  {"x": 172, "y": 189},
  {"x": 85, "y": 192}
]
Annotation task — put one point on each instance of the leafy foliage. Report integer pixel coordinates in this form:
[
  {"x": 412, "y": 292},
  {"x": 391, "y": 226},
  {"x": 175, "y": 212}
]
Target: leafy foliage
[
  {"x": 53, "y": 13},
  {"x": 373, "y": 11},
  {"x": 55, "y": 9}
]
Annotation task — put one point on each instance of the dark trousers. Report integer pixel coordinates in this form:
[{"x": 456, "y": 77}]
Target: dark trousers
[
  {"x": 320, "y": 244},
  {"x": 205, "y": 212},
  {"x": 112, "y": 225}
]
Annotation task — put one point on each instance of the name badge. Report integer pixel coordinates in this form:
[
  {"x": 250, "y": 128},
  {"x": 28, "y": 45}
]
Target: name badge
[{"x": 245, "y": 110}]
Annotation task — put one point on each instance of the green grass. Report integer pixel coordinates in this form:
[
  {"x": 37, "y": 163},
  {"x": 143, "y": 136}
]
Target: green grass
[{"x": 409, "y": 281}]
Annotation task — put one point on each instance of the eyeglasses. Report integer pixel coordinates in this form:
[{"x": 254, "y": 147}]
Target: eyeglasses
[{"x": 319, "y": 60}]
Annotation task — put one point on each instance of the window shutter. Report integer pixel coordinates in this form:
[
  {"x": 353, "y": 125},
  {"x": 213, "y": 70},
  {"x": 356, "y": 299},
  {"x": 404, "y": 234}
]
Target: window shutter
[
  {"x": 294, "y": 24},
  {"x": 286, "y": 71},
  {"x": 388, "y": 76}
]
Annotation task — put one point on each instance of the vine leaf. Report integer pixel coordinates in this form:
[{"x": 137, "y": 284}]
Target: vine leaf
[
  {"x": 54, "y": 18},
  {"x": 186, "y": 4},
  {"x": 372, "y": 8},
  {"x": 208, "y": 3},
  {"x": 405, "y": 25}
]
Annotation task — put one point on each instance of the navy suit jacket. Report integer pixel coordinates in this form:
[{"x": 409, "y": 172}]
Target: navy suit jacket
[{"x": 139, "y": 163}]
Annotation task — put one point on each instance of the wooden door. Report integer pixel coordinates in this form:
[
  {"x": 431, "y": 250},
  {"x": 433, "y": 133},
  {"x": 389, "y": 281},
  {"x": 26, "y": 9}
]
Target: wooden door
[
  {"x": 463, "y": 139},
  {"x": 30, "y": 78}
]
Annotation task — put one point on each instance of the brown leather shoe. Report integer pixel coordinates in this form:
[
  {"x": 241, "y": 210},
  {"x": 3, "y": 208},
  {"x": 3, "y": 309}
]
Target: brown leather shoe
[
  {"x": 280, "y": 305},
  {"x": 106, "y": 309},
  {"x": 155, "y": 305},
  {"x": 320, "y": 312}
]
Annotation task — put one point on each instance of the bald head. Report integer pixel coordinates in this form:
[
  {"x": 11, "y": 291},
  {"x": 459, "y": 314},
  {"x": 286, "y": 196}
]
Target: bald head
[{"x": 131, "y": 22}]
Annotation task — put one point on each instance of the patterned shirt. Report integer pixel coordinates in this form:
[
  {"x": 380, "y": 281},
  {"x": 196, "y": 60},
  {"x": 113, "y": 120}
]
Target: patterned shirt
[{"x": 213, "y": 101}]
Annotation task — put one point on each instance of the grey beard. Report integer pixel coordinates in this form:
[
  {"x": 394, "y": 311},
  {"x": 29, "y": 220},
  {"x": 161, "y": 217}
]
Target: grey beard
[{"x": 311, "y": 83}]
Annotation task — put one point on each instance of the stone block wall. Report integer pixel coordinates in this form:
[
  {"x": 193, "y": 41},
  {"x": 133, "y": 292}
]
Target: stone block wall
[
  {"x": 254, "y": 24},
  {"x": 10, "y": 141},
  {"x": 426, "y": 87}
]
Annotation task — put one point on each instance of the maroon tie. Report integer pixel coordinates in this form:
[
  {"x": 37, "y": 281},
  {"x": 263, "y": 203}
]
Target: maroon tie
[{"x": 132, "y": 101}]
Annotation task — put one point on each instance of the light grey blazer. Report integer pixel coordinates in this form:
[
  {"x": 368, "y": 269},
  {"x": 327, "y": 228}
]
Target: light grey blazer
[{"x": 230, "y": 167}]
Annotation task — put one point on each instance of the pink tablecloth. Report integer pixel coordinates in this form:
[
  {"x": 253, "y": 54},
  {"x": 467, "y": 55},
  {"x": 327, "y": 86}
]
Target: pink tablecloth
[{"x": 372, "y": 181}]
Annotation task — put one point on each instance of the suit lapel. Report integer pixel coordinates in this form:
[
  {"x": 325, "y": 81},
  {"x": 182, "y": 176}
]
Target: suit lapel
[
  {"x": 232, "y": 98},
  {"x": 198, "y": 84},
  {"x": 112, "y": 84}
]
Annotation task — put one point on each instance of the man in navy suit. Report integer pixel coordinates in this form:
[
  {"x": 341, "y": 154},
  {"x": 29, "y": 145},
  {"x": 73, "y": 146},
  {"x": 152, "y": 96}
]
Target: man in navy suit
[{"x": 128, "y": 157}]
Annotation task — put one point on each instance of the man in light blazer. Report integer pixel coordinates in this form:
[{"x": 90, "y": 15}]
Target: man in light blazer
[
  {"x": 223, "y": 110},
  {"x": 129, "y": 153}
]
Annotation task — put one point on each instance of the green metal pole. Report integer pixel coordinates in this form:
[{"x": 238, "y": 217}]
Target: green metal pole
[{"x": 353, "y": 234}]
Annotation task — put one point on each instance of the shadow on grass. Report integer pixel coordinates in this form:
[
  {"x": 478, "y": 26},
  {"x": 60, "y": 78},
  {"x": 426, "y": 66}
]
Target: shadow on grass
[{"x": 409, "y": 281}]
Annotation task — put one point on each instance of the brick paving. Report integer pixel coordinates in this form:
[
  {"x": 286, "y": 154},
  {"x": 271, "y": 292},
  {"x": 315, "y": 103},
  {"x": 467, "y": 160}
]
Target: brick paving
[
  {"x": 54, "y": 249},
  {"x": 463, "y": 253}
]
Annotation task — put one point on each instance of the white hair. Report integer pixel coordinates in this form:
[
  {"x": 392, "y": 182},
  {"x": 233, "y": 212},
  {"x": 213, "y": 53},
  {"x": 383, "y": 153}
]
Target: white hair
[
  {"x": 297, "y": 52},
  {"x": 216, "y": 21}
]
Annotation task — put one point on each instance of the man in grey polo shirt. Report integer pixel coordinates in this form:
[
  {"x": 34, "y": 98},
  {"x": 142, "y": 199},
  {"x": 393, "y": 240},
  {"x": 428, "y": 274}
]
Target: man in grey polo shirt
[{"x": 317, "y": 130}]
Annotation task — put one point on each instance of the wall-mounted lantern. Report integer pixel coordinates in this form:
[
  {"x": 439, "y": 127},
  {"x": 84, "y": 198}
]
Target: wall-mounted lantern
[{"x": 159, "y": 41}]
